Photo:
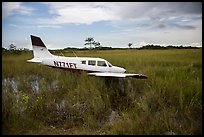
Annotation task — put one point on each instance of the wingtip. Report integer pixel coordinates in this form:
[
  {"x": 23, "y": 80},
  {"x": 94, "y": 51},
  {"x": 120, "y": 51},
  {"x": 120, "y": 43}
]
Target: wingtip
[{"x": 143, "y": 76}]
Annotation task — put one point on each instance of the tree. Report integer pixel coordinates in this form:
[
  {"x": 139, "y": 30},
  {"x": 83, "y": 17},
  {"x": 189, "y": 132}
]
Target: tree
[
  {"x": 12, "y": 47},
  {"x": 129, "y": 45},
  {"x": 96, "y": 44},
  {"x": 89, "y": 41},
  {"x": 4, "y": 49}
]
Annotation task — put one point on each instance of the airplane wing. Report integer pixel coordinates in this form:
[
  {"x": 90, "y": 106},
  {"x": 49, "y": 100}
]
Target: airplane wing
[{"x": 117, "y": 75}]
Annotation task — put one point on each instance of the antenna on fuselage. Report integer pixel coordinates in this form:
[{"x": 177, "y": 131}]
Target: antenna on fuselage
[
  {"x": 62, "y": 53},
  {"x": 74, "y": 53}
]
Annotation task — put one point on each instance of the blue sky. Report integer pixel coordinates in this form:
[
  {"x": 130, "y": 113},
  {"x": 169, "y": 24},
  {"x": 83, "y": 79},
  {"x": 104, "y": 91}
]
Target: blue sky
[{"x": 114, "y": 24}]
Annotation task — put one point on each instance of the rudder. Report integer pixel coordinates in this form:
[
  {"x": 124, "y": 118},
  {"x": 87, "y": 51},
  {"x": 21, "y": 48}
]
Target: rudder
[{"x": 39, "y": 48}]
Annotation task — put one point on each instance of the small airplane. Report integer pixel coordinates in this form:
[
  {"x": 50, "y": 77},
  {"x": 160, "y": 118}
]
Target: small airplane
[{"x": 92, "y": 66}]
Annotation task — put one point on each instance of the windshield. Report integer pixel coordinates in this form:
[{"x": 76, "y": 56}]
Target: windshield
[{"x": 109, "y": 64}]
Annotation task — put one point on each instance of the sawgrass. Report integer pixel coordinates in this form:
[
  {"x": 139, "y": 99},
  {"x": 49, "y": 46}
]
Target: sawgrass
[{"x": 37, "y": 99}]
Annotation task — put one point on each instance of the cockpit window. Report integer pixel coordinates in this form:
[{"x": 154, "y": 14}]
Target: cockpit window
[
  {"x": 83, "y": 62},
  {"x": 92, "y": 62},
  {"x": 109, "y": 64},
  {"x": 101, "y": 63}
]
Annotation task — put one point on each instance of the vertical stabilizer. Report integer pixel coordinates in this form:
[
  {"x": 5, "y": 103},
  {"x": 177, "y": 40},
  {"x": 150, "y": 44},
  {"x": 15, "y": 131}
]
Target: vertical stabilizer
[{"x": 39, "y": 48}]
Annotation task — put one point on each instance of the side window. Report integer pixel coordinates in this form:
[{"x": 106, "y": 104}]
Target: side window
[
  {"x": 92, "y": 62},
  {"x": 83, "y": 62},
  {"x": 101, "y": 63}
]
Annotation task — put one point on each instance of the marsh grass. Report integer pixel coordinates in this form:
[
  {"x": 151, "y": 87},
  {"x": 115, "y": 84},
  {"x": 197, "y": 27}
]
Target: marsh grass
[{"x": 37, "y": 99}]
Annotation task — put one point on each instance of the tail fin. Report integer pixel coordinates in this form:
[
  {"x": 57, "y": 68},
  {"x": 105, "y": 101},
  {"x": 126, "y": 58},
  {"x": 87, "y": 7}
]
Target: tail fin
[{"x": 39, "y": 48}]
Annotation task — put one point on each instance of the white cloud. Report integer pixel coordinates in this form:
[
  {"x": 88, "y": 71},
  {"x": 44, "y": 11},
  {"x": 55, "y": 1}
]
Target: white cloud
[
  {"x": 79, "y": 13},
  {"x": 196, "y": 44},
  {"x": 143, "y": 43},
  {"x": 141, "y": 23},
  {"x": 9, "y": 8},
  {"x": 25, "y": 10},
  {"x": 49, "y": 26},
  {"x": 15, "y": 26},
  {"x": 90, "y": 12}
]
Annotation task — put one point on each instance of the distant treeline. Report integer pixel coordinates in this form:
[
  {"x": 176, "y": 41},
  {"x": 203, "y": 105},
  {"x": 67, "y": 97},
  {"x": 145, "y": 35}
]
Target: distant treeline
[
  {"x": 156, "y": 47},
  {"x": 15, "y": 51},
  {"x": 147, "y": 47},
  {"x": 167, "y": 47}
]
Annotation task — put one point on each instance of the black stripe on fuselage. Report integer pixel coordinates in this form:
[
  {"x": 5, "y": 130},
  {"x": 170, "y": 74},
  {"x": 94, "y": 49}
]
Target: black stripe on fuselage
[
  {"x": 36, "y": 41},
  {"x": 75, "y": 70}
]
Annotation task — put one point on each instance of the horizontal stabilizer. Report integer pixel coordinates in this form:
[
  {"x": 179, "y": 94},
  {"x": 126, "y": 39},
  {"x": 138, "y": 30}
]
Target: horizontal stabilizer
[{"x": 35, "y": 60}]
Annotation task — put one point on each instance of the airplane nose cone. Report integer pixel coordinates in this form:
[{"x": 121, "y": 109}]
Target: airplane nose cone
[
  {"x": 118, "y": 69},
  {"x": 124, "y": 70}
]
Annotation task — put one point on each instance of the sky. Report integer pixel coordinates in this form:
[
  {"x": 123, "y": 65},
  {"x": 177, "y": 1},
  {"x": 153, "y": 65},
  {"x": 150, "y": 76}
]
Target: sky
[{"x": 113, "y": 24}]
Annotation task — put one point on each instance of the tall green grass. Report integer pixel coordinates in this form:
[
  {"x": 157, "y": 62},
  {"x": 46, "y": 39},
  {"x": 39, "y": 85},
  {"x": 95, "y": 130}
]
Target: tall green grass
[{"x": 37, "y": 99}]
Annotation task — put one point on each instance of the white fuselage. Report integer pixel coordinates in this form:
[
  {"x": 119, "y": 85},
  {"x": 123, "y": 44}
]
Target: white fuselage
[
  {"x": 93, "y": 66},
  {"x": 81, "y": 64}
]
